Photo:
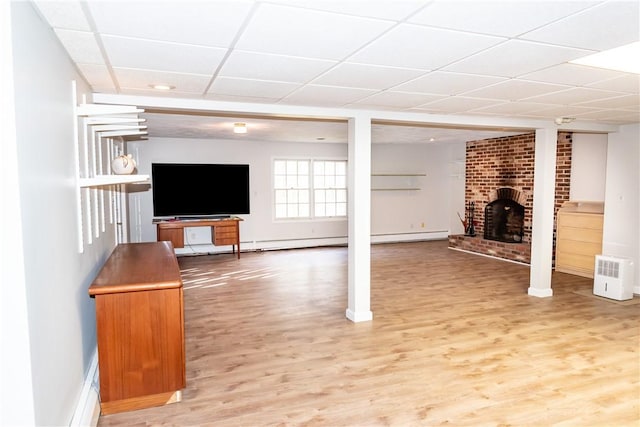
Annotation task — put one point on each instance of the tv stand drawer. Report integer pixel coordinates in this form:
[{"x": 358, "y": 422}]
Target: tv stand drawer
[{"x": 225, "y": 235}]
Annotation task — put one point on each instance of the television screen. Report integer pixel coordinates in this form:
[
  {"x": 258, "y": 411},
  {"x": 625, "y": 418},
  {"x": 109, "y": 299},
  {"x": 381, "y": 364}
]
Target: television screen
[{"x": 199, "y": 190}]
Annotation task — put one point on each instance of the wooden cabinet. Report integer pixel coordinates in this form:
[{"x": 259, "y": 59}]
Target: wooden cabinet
[
  {"x": 140, "y": 325},
  {"x": 579, "y": 237}
]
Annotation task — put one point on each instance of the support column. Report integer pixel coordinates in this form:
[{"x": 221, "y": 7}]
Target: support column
[
  {"x": 544, "y": 183},
  {"x": 359, "y": 252}
]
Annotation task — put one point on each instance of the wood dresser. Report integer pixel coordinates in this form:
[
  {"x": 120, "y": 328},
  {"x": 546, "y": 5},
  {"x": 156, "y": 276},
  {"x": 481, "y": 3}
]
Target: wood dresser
[
  {"x": 579, "y": 237},
  {"x": 140, "y": 326}
]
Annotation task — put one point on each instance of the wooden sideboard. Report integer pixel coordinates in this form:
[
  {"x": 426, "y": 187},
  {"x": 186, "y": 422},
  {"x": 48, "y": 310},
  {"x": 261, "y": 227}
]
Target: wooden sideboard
[
  {"x": 140, "y": 325},
  {"x": 225, "y": 231},
  {"x": 579, "y": 237}
]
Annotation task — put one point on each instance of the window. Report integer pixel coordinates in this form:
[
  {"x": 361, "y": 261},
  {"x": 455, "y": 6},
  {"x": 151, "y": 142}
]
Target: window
[{"x": 300, "y": 185}]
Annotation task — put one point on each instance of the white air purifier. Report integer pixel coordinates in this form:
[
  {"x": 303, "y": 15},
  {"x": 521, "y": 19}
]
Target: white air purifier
[{"x": 613, "y": 277}]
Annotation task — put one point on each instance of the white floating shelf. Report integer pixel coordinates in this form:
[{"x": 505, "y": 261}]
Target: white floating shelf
[
  {"x": 131, "y": 132},
  {"x": 112, "y": 127},
  {"x": 99, "y": 109},
  {"x": 112, "y": 120},
  {"x": 101, "y": 180}
]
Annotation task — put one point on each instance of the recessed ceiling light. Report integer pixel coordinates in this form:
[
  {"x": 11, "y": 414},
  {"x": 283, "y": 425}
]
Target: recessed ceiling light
[
  {"x": 161, "y": 87},
  {"x": 624, "y": 58},
  {"x": 239, "y": 127},
  {"x": 320, "y": 138}
]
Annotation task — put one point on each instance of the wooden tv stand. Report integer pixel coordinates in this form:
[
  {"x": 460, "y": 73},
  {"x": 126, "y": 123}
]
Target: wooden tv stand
[{"x": 225, "y": 231}]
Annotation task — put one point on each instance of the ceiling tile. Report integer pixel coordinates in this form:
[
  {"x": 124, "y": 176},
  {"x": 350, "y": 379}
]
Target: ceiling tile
[
  {"x": 255, "y": 88},
  {"x": 160, "y": 94},
  {"x": 562, "y": 111},
  {"x": 629, "y": 83},
  {"x": 237, "y": 98},
  {"x": 396, "y": 99},
  {"x": 141, "y": 79},
  {"x": 504, "y": 18},
  {"x": 124, "y": 52},
  {"x": 511, "y": 108},
  {"x": 273, "y": 67},
  {"x": 515, "y": 90},
  {"x": 373, "y": 9},
  {"x": 571, "y": 74},
  {"x": 301, "y": 32},
  {"x": 605, "y": 26},
  {"x": 573, "y": 96},
  {"x": 206, "y": 23},
  {"x": 515, "y": 58},
  {"x": 98, "y": 76},
  {"x": 64, "y": 14},
  {"x": 629, "y": 102},
  {"x": 366, "y": 76},
  {"x": 415, "y": 46},
  {"x": 81, "y": 46},
  {"x": 458, "y": 104},
  {"x": 440, "y": 82},
  {"x": 326, "y": 95}
]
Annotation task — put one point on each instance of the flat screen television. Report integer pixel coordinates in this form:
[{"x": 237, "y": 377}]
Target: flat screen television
[{"x": 199, "y": 189}]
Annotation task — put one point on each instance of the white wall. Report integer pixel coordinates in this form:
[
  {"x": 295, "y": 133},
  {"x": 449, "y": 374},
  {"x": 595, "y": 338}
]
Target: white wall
[
  {"x": 429, "y": 209},
  {"x": 588, "y": 167},
  {"x": 60, "y": 314},
  {"x": 621, "y": 233},
  {"x": 392, "y": 212}
]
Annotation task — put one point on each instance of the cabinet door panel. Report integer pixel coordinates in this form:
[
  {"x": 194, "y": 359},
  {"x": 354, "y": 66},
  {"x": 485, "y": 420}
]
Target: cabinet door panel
[{"x": 140, "y": 343}]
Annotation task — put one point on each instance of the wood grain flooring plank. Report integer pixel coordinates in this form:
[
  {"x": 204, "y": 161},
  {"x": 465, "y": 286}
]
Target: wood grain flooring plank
[{"x": 455, "y": 340}]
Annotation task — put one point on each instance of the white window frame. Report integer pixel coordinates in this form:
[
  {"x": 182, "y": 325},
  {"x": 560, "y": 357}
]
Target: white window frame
[{"x": 309, "y": 195}]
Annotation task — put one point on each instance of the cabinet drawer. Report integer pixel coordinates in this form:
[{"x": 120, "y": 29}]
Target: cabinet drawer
[
  {"x": 580, "y": 235},
  {"x": 223, "y": 235},
  {"x": 583, "y": 221}
]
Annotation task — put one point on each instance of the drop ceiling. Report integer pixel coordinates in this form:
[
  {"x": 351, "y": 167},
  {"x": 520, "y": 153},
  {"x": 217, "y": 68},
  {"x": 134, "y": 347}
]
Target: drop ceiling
[{"x": 471, "y": 58}]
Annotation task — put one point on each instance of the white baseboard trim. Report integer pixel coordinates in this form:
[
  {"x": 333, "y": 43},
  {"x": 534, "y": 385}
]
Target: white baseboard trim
[
  {"x": 490, "y": 256},
  {"x": 88, "y": 409},
  {"x": 268, "y": 245},
  {"x": 409, "y": 237}
]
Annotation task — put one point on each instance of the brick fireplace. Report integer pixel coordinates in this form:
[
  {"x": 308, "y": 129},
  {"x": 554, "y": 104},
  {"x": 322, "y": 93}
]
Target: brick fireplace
[{"x": 499, "y": 175}]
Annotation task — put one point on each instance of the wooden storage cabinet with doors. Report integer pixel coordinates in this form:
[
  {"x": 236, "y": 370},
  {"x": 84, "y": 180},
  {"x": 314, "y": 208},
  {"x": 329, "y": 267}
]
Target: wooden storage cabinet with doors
[
  {"x": 140, "y": 327},
  {"x": 579, "y": 237}
]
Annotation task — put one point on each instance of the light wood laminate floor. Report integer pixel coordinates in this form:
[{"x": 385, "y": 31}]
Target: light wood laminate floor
[{"x": 455, "y": 340}]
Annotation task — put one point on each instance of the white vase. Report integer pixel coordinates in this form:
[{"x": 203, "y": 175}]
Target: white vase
[{"x": 123, "y": 165}]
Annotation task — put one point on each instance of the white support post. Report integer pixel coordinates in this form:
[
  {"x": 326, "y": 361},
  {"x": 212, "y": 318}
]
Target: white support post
[
  {"x": 359, "y": 252},
  {"x": 544, "y": 183}
]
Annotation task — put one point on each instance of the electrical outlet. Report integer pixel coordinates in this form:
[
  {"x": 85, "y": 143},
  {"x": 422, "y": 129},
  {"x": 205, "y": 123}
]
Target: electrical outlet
[{"x": 422, "y": 225}]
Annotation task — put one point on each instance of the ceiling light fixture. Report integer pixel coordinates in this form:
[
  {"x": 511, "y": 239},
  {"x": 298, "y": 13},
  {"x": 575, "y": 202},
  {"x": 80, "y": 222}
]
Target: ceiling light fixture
[
  {"x": 624, "y": 58},
  {"x": 161, "y": 87},
  {"x": 564, "y": 120},
  {"x": 239, "y": 127}
]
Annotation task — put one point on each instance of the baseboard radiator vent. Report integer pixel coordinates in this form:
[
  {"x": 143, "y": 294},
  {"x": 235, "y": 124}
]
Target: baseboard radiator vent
[{"x": 613, "y": 277}]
